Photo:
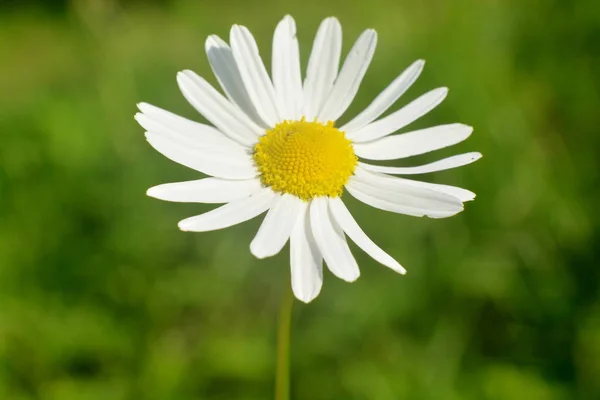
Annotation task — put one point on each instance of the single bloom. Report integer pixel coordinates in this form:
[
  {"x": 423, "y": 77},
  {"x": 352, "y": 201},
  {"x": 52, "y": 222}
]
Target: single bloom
[{"x": 274, "y": 146}]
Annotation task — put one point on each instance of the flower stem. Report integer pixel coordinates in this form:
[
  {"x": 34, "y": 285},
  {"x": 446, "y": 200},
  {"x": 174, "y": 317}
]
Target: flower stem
[{"x": 282, "y": 371}]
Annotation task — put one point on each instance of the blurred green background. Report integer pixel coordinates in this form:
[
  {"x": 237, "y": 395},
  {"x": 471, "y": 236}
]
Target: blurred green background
[{"x": 102, "y": 297}]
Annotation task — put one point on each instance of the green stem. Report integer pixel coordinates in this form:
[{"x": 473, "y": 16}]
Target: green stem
[{"x": 282, "y": 371}]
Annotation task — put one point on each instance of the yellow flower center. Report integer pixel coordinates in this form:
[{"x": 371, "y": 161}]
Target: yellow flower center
[{"x": 305, "y": 159}]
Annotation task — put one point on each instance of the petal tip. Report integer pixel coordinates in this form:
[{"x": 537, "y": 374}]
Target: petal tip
[
  {"x": 213, "y": 41},
  {"x": 352, "y": 278},
  {"x": 185, "y": 74},
  {"x": 331, "y": 20},
  {"x": 397, "y": 267},
  {"x": 180, "y": 76},
  {"x": 238, "y": 29},
  {"x": 259, "y": 253},
  {"x": 471, "y": 198},
  {"x": 304, "y": 299},
  {"x": 468, "y": 129},
  {"x": 184, "y": 225},
  {"x": 306, "y": 296},
  {"x": 153, "y": 192}
]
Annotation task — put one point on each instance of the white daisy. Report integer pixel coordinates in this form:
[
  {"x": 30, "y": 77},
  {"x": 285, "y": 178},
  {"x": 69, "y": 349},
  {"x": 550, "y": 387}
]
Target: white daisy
[{"x": 275, "y": 147}]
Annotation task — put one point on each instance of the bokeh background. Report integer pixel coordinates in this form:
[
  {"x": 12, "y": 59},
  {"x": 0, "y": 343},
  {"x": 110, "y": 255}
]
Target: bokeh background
[{"x": 102, "y": 297}]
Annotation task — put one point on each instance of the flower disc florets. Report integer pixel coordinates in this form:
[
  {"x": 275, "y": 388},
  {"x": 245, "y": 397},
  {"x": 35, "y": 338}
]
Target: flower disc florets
[{"x": 305, "y": 159}]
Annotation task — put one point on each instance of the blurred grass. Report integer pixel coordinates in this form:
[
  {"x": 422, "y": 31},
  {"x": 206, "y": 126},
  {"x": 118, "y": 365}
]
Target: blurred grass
[{"x": 102, "y": 297}]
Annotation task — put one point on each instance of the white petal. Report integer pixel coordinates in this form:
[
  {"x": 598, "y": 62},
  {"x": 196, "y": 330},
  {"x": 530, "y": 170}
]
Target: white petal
[
  {"x": 182, "y": 129},
  {"x": 441, "y": 165},
  {"x": 386, "y": 98},
  {"x": 256, "y": 80},
  {"x": 220, "y": 161},
  {"x": 306, "y": 261},
  {"x": 351, "y": 228},
  {"x": 207, "y": 190},
  {"x": 228, "y": 74},
  {"x": 401, "y": 118},
  {"x": 401, "y": 197},
  {"x": 413, "y": 143},
  {"x": 230, "y": 120},
  {"x": 394, "y": 182},
  {"x": 350, "y": 76},
  {"x": 277, "y": 226},
  {"x": 322, "y": 67},
  {"x": 460, "y": 193},
  {"x": 332, "y": 242},
  {"x": 230, "y": 214},
  {"x": 287, "y": 78}
]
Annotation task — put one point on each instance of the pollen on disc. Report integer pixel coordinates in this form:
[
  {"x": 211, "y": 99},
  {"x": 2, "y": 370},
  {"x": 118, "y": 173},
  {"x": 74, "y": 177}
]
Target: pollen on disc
[{"x": 305, "y": 159}]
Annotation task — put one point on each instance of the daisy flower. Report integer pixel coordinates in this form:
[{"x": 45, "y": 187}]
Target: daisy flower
[{"x": 275, "y": 147}]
